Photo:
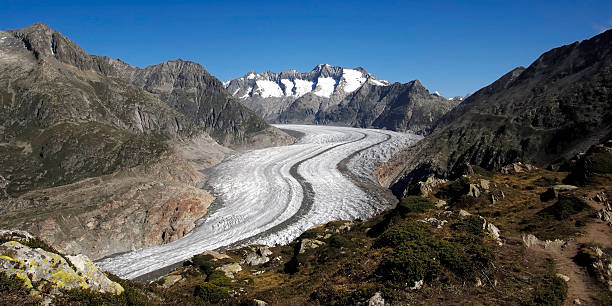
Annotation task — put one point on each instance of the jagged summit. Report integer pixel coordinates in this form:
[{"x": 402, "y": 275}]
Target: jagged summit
[
  {"x": 323, "y": 80},
  {"x": 337, "y": 95}
]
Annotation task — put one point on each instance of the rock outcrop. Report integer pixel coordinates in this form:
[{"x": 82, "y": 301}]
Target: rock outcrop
[{"x": 47, "y": 273}]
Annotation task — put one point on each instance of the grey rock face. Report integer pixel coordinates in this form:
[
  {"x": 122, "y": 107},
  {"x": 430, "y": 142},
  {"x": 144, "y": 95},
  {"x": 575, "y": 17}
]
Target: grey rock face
[
  {"x": 339, "y": 96},
  {"x": 546, "y": 113}
]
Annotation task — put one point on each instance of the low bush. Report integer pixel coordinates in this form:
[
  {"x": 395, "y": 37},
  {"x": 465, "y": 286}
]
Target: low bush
[
  {"x": 14, "y": 292},
  {"x": 401, "y": 232},
  {"x": 414, "y": 204},
  {"x": 211, "y": 293},
  {"x": 471, "y": 225},
  {"x": 219, "y": 278},
  {"x": 600, "y": 162},
  {"x": 549, "y": 290},
  {"x": 328, "y": 295},
  {"x": 566, "y": 207},
  {"x": 339, "y": 241},
  {"x": 204, "y": 263},
  {"x": 454, "y": 190},
  {"x": 418, "y": 254}
]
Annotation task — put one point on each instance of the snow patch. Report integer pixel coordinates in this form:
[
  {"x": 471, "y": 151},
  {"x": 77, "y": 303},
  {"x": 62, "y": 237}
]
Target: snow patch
[
  {"x": 379, "y": 83},
  {"x": 247, "y": 93},
  {"x": 325, "y": 87},
  {"x": 250, "y": 76},
  {"x": 288, "y": 87},
  {"x": 302, "y": 87},
  {"x": 353, "y": 78},
  {"x": 236, "y": 91},
  {"x": 267, "y": 89}
]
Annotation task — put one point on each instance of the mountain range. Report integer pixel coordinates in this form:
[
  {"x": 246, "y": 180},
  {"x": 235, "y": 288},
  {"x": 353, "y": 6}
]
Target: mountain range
[
  {"x": 83, "y": 139},
  {"x": 340, "y": 96}
]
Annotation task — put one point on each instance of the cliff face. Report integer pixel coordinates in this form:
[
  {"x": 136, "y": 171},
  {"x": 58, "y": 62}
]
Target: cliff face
[{"x": 543, "y": 114}]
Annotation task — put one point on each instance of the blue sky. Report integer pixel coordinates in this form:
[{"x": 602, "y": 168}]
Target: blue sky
[{"x": 454, "y": 47}]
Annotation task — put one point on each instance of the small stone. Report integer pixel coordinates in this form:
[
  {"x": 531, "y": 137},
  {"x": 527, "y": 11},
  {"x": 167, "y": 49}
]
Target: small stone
[
  {"x": 577, "y": 302},
  {"x": 440, "y": 203},
  {"x": 563, "y": 277},
  {"x": 417, "y": 285},
  {"x": 464, "y": 213},
  {"x": 259, "y": 302},
  {"x": 376, "y": 300}
]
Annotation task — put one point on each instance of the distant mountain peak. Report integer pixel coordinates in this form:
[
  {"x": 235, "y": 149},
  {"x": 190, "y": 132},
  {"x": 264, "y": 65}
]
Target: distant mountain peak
[{"x": 324, "y": 80}]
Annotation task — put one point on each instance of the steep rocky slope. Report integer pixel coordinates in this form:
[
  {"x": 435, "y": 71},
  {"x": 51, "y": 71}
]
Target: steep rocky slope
[
  {"x": 339, "y": 96},
  {"x": 543, "y": 114},
  {"x": 91, "y": 153}
]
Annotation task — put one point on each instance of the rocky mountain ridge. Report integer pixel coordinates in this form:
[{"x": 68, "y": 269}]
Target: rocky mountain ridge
[
  {"x": 543, "y": 114},
  {"x": 341, "y": 96},
  {"x": 95, "y": 152}
]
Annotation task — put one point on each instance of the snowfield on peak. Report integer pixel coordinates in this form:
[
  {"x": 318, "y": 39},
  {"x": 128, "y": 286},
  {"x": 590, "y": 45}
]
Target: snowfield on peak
[
  {"x": 270, "y": 196},
  {"x": 353, "y": 78},
  {"x": 325, "y": 87}
]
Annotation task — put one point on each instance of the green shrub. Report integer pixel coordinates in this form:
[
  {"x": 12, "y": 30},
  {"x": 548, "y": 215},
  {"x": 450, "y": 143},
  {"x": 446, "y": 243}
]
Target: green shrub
[
  {"x": 566, "y": 207},
  {"x": 211, "y": 293},
  {"x": 410, "y": 262},
  {"x": 482, "y": 171},
  {"x": 549, "y": 290},
  {"x": 414, "y": 204},
  {"x": 454, "y": 190},
  {"x": 218, "y": 278},
  {"x": 401, "y": 232},
  {"x": 14, "y": 292},
  {"x": 204, "y": 263},
  {"x": 600, "y": 162},
  {"x": 328, "y": 295},
  {"x": 339, "y": 241},
  {"x": 471, "y": 225}
]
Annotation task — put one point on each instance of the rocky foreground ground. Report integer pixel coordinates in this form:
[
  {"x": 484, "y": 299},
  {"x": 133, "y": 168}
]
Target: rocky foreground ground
[{"x": 523, "y": 235}]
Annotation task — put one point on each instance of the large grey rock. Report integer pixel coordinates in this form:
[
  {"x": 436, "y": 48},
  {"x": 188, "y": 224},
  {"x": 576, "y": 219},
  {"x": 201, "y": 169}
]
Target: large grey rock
[
  {"x": 40, "y": 266},
  {"x": 553, "y": 192}
]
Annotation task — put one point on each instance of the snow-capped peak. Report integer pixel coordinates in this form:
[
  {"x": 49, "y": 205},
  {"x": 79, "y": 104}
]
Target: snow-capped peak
[
  {"x": 323, "y": 81},
  {"x": 436, "y": 93}
]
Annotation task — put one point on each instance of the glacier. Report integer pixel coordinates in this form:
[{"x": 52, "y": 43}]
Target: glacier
[{"x": 270, "y": 196}]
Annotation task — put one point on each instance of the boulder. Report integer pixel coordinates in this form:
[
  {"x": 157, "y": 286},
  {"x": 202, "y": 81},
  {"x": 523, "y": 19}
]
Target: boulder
[
  {"x": 516, "y": 168},
  {"x": 230, "y": 269},
  {"x": 533, "y": 241},
  {"x": 474, "y": 191},
  {"x": 553, "y": 192},
  {"x": 485, "y": 185},
  {"x": 493, "y": 230},
  {"x": 464, "y": 213},
  {"x": 440, "y": 203},
  {"x": 258, "y": 255},
  {"x": 427, "y": 187},
  {"x": 37, "y": 266},
  {"x": 306, "y": 244},
  {"x": 95, "y": 278},
  {"x": 171, "y": 279}
]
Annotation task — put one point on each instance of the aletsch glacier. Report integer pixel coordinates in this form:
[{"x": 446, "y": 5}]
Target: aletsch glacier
[{"x": 263, "y": 202}]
